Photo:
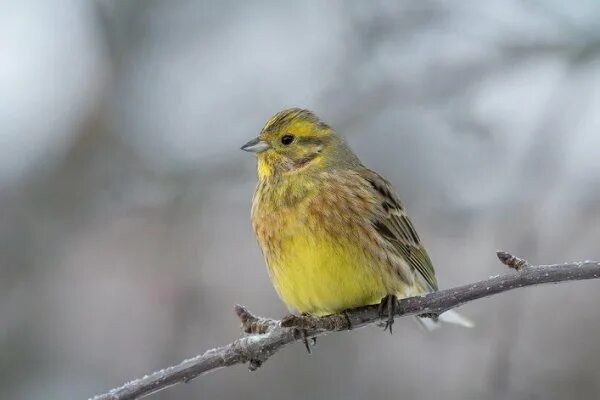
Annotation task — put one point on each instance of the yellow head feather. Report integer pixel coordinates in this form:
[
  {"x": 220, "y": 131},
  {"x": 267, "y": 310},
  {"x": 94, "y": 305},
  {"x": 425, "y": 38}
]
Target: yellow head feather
[{"x": 299, "y": 140}]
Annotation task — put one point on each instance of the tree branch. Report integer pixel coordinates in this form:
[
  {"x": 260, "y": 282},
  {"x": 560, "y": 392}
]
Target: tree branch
[{"x": 272, "y": 335}]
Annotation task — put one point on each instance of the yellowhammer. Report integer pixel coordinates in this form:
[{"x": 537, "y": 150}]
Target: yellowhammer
[{"x": 333, "y": 233}]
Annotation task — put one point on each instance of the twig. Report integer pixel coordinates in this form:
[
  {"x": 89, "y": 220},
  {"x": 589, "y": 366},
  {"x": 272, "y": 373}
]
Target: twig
[
  {"x": 511, "y": 261},
  {"x": 255, "y": 349}
]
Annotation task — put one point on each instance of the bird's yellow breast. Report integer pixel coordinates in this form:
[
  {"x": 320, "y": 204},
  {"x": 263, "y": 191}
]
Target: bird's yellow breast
[
  {"x": 320, "y": 275},
  {"x": 317, "y": 266}
]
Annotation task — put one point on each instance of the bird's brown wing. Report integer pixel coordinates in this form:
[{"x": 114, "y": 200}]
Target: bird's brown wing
[{"x": 393, "y": 225}]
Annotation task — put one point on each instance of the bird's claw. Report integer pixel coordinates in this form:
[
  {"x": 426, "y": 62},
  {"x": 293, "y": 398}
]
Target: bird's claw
[
  {"x": 293, "y": 321},
  {"x": 387, "y": 308}
]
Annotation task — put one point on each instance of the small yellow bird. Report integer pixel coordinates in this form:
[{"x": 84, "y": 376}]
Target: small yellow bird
[{"x": 333, "y": 233}]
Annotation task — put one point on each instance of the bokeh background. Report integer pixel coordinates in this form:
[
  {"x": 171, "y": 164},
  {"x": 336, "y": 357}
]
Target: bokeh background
[{"x": 125, "y": 238}]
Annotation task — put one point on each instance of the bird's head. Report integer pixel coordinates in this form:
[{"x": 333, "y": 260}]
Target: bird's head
[{"x": 295, "y": 140}]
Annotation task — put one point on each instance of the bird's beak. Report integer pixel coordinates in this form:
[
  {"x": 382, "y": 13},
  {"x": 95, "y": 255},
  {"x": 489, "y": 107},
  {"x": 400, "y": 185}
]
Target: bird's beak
[{"x": 256, "y": 146}]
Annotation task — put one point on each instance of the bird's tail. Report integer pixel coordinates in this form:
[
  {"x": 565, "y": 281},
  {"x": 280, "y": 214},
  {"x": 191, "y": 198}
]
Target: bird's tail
[{"x": 449, "y": 317}]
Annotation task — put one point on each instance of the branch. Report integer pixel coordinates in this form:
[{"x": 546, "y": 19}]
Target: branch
[{"x": 272, "y": 335}]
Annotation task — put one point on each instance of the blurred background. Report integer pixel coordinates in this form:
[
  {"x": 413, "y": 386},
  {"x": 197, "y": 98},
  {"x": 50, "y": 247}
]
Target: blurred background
[{"x": 125, "y": 237}]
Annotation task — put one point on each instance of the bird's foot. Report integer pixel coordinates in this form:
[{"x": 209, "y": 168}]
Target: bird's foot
[
  {"x": 297, "y": 323},
  {"x": 387, "y": 308},
  {"x": 305, "y": 339}
]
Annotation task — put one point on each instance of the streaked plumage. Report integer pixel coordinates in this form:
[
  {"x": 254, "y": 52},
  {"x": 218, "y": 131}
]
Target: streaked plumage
[{"x": 333, "y": 233}]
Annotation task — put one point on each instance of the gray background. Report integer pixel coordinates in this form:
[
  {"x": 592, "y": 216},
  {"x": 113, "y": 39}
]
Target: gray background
[{"x": 124, "y": 199}]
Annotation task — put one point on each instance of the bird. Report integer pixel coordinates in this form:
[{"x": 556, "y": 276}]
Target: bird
[{"x": 333, "y": 233}]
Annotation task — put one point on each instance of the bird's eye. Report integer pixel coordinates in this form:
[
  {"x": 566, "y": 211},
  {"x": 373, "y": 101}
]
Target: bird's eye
[{"x": 287, "y": 139}]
